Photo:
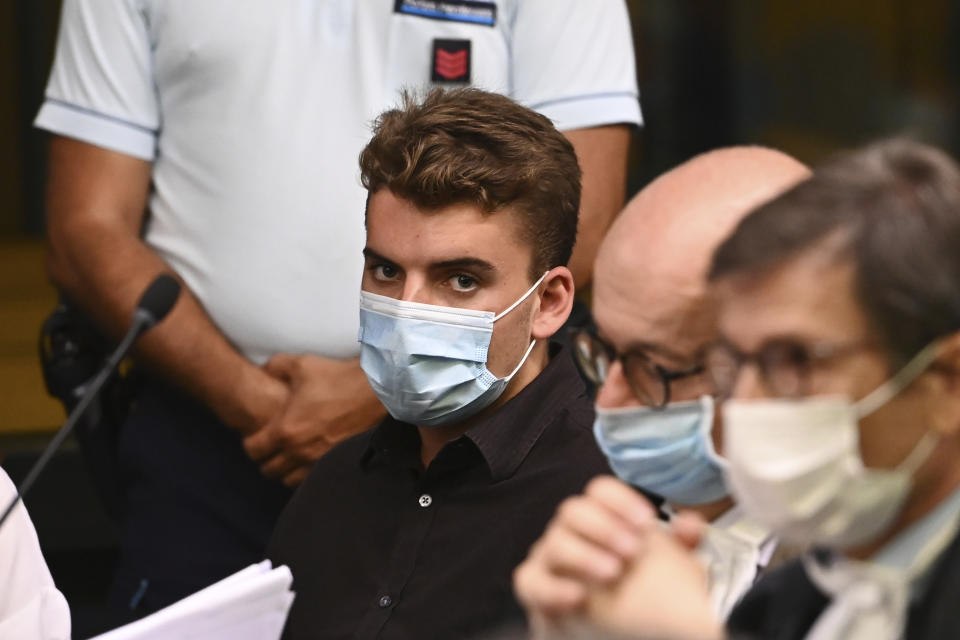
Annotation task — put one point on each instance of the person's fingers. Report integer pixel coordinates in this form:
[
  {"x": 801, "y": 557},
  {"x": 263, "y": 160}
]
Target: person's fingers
[
  {"x": 564, "y": 553},
  {"x": 622, "y": 500},
  {"x": 279, "y": 466},
  {"x": 586, "y": 518},
  {"x": 281, "y": 365},
  {"x": 688, "y": 527},
  {"x": 544, "y": 593},
  {"x": 261, "y": 444},
  {"x": 296, "y": 477}
]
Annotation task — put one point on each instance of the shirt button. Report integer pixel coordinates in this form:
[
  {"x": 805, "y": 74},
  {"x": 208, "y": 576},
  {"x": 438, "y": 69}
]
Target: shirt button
[
  {"x": 385, "y": 601},
  {"x": 426, "y": 500}
]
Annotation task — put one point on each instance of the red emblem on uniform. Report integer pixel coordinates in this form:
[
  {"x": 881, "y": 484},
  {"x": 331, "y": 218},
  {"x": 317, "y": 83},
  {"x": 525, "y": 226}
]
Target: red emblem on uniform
[
  {"x": 451, "y": 65},
  {"x": 451, "y": 61}
]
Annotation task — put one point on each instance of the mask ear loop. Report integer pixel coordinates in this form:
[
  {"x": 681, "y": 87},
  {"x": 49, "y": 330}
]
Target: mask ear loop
[
  {"x": 920, "y": 453},
  {"x": 708, "y": 407},
  {"x": 511, "y": 308},
  {"x": 522, "y": 360},
  {"x": 889, "y": 389},
  {"x": 522, "y": 298}
]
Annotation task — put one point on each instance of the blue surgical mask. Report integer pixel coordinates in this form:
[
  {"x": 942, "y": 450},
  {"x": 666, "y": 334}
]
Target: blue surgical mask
[
  {"x": 666, "y": 451},
  {"x": 428, "y": 364}
]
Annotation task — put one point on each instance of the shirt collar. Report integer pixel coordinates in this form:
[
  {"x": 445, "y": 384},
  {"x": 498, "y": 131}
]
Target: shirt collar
[
  {"x": 908, "y": 559},
  {"x": 505, "y": 437},
  {"x": 916, "y": 550},
  {"x": 736, "y": 523},
  {"x": 734, "y": 549}
]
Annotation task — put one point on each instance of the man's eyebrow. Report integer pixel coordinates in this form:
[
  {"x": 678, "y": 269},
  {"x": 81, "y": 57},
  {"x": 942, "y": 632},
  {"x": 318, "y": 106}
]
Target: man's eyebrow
[
  {"x": 659, "y": 349},
  {"x": 789, "y": 337},
  {"x": 476, "y": 264},
  {"x": 370, "y": 254}
]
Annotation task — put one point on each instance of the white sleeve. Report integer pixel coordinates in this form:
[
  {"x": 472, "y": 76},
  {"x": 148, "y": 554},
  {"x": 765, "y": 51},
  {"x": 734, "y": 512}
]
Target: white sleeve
[
  {"x": 30, "y": 604},
  {"x": 573, "y": 61},
  {"x": 101, "y": 89}
]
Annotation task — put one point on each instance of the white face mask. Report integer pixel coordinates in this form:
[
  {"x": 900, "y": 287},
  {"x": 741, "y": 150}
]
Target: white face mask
[
  {"x": 427, "y": 363},
  {"x": 795, "y": 465}
]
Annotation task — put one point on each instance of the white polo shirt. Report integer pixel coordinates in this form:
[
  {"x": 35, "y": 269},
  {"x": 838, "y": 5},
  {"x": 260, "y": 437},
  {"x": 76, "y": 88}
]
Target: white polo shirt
[{"x": 254, "y": 113}]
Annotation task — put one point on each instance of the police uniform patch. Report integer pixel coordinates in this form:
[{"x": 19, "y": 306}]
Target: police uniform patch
[
  {"x": 451, "y": 61},
  {"x": 471, "y": 11}
]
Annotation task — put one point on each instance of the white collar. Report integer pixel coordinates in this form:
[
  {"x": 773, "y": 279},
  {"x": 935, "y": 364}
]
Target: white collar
[
  {"x": 734, "y": 550},
  {"x": 916, "y": 549},
  {"x": 907, "y": 558},
  {"x": 870, "y": 599}
]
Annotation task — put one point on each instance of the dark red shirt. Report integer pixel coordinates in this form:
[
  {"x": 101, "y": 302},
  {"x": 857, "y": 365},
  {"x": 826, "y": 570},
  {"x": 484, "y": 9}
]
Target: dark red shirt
[{"x": 380, "y": 547}]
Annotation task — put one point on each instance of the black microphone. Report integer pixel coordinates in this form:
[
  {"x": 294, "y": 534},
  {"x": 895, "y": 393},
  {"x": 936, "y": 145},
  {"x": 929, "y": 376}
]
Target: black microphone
[{"x": 155, "y": 303}]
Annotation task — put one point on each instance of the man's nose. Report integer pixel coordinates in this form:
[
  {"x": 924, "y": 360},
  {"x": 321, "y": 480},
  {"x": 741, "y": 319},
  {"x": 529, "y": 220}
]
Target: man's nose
[
  {"x": 415, "y": 290},
  {"x": 749, "y": 383},
  {"x": 615, "y": 390}
]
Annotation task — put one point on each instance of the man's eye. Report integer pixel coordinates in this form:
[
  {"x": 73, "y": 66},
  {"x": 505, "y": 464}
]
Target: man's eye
[
  {"x": 385, "y": 272},
  {"x": 786, "y": 354},
  {"x": 463, "y": 283}
]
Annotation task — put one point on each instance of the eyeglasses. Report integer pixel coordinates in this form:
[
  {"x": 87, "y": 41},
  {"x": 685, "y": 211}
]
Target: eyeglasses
[
  {"x": 649, "y": 381},
  {"x": 784, "y": 365}
]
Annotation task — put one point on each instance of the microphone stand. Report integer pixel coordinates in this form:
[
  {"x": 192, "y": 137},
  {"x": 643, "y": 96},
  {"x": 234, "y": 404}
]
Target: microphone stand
[{"x": 142, "y": 320}]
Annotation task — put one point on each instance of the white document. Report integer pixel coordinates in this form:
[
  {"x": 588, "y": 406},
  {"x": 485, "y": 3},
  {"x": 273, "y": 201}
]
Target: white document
[{"x": 252, "y": 604}]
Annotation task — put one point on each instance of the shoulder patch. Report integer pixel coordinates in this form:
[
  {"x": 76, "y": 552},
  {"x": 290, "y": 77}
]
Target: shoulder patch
[{"x": 451, "y": 61}]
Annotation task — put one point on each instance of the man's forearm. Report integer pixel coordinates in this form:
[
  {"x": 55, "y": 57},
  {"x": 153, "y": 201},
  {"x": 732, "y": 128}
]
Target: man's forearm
[
  {"x": 602, "y": 154},
  {"x": 104, "y": 270}
]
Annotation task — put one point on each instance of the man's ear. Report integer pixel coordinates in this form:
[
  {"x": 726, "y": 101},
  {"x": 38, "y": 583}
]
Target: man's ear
[
  {"x": 947, "y": 361},
  {"x": 947, "y": 420},
  {"x": 556, "y": 302}
]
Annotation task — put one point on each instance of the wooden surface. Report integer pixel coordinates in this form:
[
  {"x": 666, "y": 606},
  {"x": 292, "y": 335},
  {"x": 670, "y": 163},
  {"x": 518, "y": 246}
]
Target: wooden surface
[{"x": 26, "y": 297}]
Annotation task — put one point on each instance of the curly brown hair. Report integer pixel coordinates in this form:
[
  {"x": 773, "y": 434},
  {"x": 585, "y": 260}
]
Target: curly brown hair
[{"x": 459, "y": 146}]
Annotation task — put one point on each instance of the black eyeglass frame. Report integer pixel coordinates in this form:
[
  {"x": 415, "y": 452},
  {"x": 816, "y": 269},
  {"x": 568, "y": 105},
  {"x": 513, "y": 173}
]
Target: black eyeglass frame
[
  {"x": 812, "y": 355},
  {"x": 597, "y": 374}
]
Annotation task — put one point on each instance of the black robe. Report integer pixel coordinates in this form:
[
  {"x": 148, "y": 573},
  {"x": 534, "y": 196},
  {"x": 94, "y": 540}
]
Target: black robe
[{"x": 784, "y": 604}]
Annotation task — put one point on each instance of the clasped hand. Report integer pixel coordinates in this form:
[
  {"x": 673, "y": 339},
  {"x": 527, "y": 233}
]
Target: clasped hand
[
  {"x": 328, "y": 401},
  {"x": 606, "y": 561}
]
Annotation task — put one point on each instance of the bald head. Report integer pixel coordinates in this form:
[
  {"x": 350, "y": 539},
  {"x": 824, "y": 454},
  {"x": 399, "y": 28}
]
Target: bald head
[
  {"x": 652, "y": 265},
  {"x": 673, "y": 225}
]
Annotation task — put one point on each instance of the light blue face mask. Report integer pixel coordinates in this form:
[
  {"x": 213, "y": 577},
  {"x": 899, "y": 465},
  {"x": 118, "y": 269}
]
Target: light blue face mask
[
  {"x": 667, "y": 451},
  {"x": 428, "y": 364}
]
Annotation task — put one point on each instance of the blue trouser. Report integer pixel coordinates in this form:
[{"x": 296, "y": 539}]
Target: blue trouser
[{"x": 196, "y": 508}]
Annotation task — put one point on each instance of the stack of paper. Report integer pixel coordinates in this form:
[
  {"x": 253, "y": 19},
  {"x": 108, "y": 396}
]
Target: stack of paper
[{"x": 252, "y": 604}]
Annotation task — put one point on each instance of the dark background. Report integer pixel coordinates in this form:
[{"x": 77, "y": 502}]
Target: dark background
[{"x": 809, "y": 78}]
